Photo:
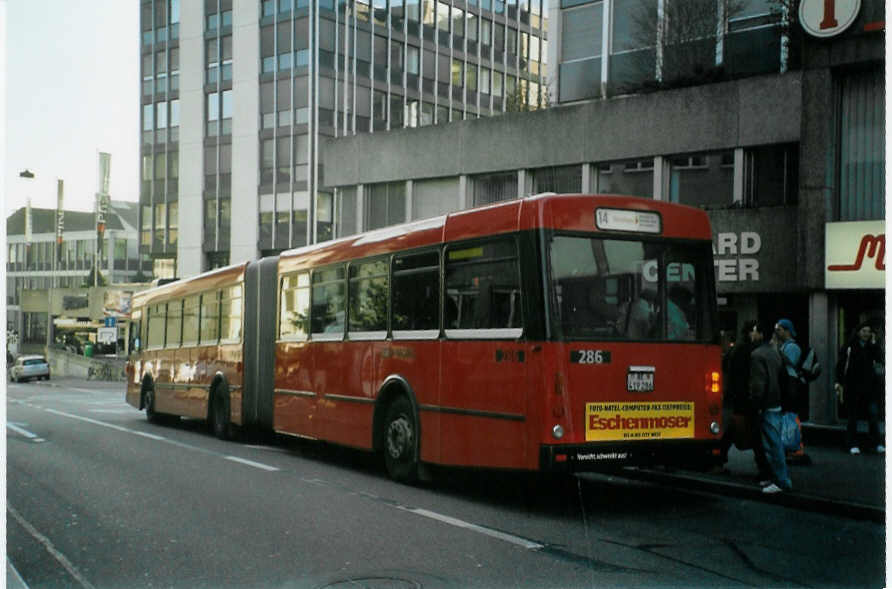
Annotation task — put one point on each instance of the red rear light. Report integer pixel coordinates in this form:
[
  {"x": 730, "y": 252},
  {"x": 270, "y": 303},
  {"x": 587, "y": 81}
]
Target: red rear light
[{"x": 714, "y": 392}]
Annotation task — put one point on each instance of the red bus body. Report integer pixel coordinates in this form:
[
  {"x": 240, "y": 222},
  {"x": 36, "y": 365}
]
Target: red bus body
[{"x": 510, "y": 397}]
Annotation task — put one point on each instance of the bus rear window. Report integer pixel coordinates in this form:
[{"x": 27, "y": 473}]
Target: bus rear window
[{"x": 631, "y": 290}]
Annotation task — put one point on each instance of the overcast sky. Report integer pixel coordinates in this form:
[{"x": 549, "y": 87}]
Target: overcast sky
[{"x": 72, "y": 90}]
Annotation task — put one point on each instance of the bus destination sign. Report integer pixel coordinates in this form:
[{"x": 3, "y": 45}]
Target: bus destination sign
[{"x": 626, "y": 220}]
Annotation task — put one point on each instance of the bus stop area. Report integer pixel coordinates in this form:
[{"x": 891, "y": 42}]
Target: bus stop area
[{"x": 829, "y": 481}]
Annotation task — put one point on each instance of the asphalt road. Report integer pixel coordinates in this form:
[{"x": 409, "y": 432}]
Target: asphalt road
[{"x": 98, "y": 497}]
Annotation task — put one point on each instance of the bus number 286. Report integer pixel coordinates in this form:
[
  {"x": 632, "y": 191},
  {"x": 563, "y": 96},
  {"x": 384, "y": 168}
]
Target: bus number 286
[{"x": 589, "y": 357}]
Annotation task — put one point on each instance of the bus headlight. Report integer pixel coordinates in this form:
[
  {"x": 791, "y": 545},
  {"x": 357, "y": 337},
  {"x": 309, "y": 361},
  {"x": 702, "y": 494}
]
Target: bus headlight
[
  {"x": 558, "y": 432},
  {"x": 714, "y": 427}
]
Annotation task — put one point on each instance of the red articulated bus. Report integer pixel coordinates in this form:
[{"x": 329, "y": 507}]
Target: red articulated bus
[{"x": 554, "y": 333}]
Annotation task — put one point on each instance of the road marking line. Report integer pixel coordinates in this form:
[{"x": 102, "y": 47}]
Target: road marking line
[
  {"x": 66, "y": 564},
  {"x": 251, "y": 463},
  {"x": 93, "y": 421},
  {"x": 19, "y": 430},
  {"x": 163, "y": 439},
  {"x": 151, "y": 436},
  {"x": 522, "y": 542}
]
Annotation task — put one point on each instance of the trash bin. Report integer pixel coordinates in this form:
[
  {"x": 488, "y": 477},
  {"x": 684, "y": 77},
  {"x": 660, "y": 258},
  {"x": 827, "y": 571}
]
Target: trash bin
[{"x": 88, "y": 350}]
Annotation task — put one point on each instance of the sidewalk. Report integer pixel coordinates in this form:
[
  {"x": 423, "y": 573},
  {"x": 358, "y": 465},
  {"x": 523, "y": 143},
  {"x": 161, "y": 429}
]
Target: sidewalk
[{"x": 834, "y": 482}]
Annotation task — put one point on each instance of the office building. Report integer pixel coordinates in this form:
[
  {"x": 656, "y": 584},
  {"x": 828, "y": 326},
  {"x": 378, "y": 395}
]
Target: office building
[{"x": 237, "y": 94}]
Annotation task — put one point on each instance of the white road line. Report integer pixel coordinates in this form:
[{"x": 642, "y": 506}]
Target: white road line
[
  {"x": 163, "y": 439},
  {"x": 19, "y": 430},
  {"x": 151, "y": 436},
  {"x": 523, "y": 543},
  {"x": 251, "y": 463},
  {"x": 66, "y": 564},
  {"x": 93, "y": 421}
]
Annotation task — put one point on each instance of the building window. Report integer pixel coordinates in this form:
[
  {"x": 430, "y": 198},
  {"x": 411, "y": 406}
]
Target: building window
[
  {"x": 489, "y": 188},
  {"x": 580, "y": 69},
  {"x": 771, "y": 175},
  {"x": 385, "y": 204},
  {"x": 634, "y": 177},
  {"x": 701, "y": 180},
  {"x": 345, "y": 199},
  {"x": 560, "y": 179},
  {"x": 862, "y": 170}
]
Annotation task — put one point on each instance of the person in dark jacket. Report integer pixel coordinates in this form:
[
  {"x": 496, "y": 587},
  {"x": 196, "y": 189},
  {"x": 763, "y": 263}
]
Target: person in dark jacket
[
  {"x": 858, "y": 385},
  {"x": 765, "y": 396},
  {"x": 742, "y": 424}
]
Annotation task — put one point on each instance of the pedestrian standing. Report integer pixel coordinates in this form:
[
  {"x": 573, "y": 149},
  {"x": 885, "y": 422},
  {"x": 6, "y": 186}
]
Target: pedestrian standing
[
  {"x": 790, "y": 353},
  {"x": 859, "y": 371},
  {"x": 766, "y": 369},
  {"x": 743, "y": 425}
]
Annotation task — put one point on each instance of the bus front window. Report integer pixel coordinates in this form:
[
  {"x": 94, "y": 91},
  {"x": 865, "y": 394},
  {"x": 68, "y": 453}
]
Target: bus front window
[{"x": 630, "y": 290}]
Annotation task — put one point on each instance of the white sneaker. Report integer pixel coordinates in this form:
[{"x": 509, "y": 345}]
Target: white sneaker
[
  {"x": 881, "y": 449},
  {"x": 855, "y": 450},
  {"x": 764, "y": 483},
  {"x": 771, "y": 489}
]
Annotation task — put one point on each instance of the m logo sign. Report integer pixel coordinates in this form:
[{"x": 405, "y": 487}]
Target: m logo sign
[{"x": 855, "y": 254}]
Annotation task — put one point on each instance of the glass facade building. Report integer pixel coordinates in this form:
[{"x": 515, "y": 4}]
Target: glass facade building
[{"x": 259, "y": 82}]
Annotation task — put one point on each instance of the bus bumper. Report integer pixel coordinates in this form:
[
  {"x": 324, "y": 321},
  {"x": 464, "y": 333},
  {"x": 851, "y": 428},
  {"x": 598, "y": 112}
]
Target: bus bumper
[{"x": 689, "y": 454}]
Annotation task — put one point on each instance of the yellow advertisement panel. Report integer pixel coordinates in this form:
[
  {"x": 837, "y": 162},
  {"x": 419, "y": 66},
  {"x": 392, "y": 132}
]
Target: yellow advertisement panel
[{"x": 639, "y": 421}]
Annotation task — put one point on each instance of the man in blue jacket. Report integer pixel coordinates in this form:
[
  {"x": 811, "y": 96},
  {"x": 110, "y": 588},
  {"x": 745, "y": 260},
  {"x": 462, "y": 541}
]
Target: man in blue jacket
[{"x": 765, "y": 395}]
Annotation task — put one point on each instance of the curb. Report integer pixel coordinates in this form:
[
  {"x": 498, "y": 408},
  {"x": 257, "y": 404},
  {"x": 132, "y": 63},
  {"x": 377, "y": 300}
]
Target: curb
[{"x": 794, "y": 500}]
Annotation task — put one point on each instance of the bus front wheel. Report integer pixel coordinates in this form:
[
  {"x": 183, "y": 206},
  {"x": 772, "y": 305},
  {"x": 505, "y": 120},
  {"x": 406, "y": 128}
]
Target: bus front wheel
[{"x": 401, "y": 442}]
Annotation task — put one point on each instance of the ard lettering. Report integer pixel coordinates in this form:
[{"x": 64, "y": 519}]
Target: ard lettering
[{"x": 871, "y": 246}]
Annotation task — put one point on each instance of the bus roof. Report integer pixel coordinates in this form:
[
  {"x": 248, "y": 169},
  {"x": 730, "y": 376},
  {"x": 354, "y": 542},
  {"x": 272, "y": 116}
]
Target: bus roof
[
  {"x": 573, "y": 212},
  {"x": 233, "y": 274}
]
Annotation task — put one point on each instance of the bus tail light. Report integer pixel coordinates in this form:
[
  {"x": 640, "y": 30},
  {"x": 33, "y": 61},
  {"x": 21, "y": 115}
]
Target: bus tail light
[{"x": 714, "y": 392}]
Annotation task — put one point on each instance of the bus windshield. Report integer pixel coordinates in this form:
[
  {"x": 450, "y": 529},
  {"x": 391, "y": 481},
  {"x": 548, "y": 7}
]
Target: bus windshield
[{"x": 627, "y": 289}]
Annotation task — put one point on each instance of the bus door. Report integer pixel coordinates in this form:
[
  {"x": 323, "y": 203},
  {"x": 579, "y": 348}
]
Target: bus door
[
  {"x": 484, "y": 391},
  {"x": 294, "y": 395}
]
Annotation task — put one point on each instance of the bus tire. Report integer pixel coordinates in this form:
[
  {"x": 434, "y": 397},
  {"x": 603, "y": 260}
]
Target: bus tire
[
  {"x": 220, "y": 423},
  {"x": 401, "y": 441}
]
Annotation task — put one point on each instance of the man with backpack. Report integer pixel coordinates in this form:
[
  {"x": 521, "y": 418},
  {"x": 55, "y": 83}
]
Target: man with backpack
[{"x": 859, "y": 385}]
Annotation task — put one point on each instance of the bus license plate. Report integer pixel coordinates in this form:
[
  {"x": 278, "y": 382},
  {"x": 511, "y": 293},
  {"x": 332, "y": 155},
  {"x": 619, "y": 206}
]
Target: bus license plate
[{"x": 640, "y": 381}]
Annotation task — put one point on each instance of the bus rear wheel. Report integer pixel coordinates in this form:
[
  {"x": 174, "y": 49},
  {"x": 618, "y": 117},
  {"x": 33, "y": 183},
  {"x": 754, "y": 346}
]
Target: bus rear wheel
[{"x": 401, "y": 442}]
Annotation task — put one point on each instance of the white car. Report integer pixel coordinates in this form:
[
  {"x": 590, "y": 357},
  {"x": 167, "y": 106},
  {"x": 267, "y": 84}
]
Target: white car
[{"x": 27, "y": 367}]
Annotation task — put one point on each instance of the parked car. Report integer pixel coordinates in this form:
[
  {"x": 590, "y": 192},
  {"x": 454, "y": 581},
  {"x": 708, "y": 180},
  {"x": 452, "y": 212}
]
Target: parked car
[{"x": 31, "y": 366}]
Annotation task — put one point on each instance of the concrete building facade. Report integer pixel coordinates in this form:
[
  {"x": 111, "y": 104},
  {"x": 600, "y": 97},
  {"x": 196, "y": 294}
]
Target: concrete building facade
[{"x": 37, "y": 266}]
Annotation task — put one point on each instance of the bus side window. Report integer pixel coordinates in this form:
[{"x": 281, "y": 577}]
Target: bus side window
[
  {"x": 328, "y": 300},
  {"x": 294, "y": 306},
  {"x": 368, "y": 294},
  {"x": 416, "y": 292},
  {"x": 157, "y": 322},
  {"x": 484, "y": 282},
  {"x": 209, "y": 324},
  {"x": 231, "y": 314}
]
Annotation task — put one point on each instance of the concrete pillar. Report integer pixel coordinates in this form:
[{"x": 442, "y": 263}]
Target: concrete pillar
[{"x": 822, "y": 337}]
